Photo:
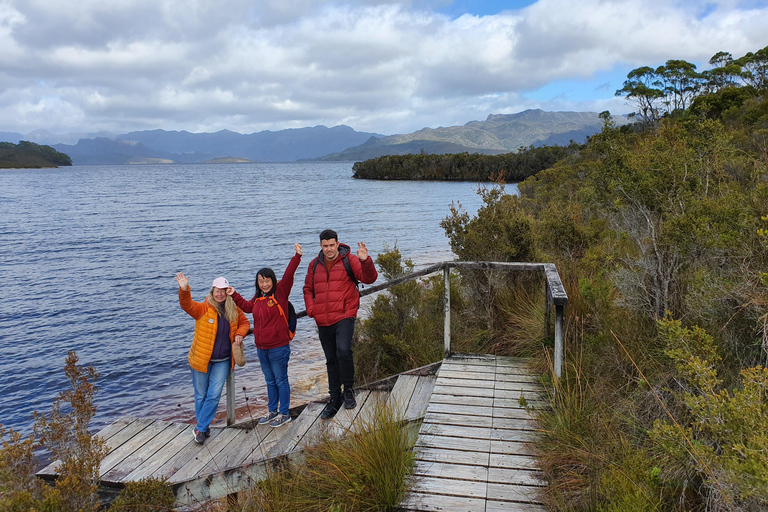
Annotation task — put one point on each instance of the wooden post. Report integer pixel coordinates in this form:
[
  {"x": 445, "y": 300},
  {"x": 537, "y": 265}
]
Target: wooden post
[
  {"x": 558, "y": 341},
  {"x": 231, "y": 397},
  {"x": 547, "y": 308},
  {"x": 447, "y": 311}
]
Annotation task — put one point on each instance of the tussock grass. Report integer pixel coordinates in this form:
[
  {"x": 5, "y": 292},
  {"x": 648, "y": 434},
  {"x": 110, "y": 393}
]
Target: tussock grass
[{"x": 368, "y": 470}]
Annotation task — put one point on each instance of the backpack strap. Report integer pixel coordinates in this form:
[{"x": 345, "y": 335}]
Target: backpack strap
[{"x": 347, "y": 267}]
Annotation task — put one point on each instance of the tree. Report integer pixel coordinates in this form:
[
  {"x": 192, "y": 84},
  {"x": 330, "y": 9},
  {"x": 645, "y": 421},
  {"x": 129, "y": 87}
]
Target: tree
[
  {"x": 640, "y": 88},
  {"x": 681, "y": 83},
  {"x": 755, "y": 67}
]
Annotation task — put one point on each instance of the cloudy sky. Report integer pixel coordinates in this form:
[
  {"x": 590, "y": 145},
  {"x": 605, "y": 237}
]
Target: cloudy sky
[{"x": 385, "y": 66}]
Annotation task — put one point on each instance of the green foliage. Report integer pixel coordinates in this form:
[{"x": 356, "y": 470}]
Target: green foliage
[
  {"x": 509, "y": 167},
  {"x": 145, "y": 495},
  {"x": 368, "y": 470},
  {"x": 30, "y": 155},
  {"x": 405, "y": 327}
]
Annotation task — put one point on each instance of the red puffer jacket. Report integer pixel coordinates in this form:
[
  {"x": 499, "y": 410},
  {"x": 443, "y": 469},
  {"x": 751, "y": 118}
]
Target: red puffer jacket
[
  {"x": 333, "y": 297},
  {"x": 270, "y": 328}
]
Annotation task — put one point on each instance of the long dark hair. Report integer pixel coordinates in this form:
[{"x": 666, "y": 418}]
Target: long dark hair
[{"x": 269, "y": 274}]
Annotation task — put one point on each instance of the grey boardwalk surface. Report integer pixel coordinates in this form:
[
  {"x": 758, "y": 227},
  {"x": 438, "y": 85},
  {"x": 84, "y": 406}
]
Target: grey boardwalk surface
[
  {"x": 473, "y": 451},
  {"x": 234, "y": 458}
]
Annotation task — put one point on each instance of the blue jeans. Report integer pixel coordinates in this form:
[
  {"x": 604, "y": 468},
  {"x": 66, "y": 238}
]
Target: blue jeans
[
  {"x": 274, "y": 365},
  {"x": 208, "y": 387}
]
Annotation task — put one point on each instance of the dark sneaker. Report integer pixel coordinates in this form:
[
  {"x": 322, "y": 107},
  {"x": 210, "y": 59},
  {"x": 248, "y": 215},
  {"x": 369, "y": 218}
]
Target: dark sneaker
[
  {"x": 267, "y": 417},
  {"x": 199, "y": 437},
  {"x": 331, "y": 408},
  {"x": 349, "y": 398},
  {"x": 280, "y": 420},
  {"x": 207, "y": 433}
]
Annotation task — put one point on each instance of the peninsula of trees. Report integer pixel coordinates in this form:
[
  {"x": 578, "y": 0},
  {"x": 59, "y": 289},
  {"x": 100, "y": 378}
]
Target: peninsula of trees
[{"x": 28, "y": 155}]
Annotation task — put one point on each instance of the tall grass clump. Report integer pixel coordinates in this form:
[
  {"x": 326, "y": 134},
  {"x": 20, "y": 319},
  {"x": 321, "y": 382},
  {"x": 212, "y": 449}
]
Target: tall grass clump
[{"x": 367, "y": 470}]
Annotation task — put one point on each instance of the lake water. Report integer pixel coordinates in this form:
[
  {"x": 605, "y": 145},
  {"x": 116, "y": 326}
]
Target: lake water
[{"x": 88, "y": 257}]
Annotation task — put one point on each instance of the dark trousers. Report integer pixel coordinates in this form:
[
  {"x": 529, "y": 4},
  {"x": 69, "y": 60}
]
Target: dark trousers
[{"x": 336, "y": 340}]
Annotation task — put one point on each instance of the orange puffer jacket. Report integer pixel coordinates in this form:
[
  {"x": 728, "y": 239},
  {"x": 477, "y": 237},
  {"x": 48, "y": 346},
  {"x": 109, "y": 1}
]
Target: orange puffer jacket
[{"x": 206, "y": 324}]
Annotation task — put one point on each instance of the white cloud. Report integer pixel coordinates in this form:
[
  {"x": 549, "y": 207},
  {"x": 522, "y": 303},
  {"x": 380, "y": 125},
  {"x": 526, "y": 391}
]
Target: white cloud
[{"x": 384, "y": 66}]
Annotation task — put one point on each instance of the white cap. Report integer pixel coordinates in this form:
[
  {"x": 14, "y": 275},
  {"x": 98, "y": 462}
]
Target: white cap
[{"x": 220, "y": 282}]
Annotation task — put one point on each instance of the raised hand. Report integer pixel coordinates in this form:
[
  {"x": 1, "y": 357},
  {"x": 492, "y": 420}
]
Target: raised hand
[
  {"x": 230, "y": 290},
  {"x": 297, "y": 247},
  {"x": 362, "y": 251},
  {"x": 183, "y": 281}
]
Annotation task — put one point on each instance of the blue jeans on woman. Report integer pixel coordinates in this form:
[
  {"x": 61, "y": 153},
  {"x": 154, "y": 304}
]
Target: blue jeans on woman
[
  {"x": 208, "y": 387},
  {"x": 274, "y": 365}
]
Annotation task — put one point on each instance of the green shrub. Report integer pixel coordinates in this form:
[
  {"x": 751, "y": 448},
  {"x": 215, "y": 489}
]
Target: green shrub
[{"x": 145, "y": 495}]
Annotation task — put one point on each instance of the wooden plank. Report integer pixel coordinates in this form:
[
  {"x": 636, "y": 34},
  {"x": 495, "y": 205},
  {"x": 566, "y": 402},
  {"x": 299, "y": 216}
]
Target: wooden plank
[
  {"x": 401, "y": 393},
  {"x": 510, "y": 461},
  {"x": 297, "y": 430},
  {"x": 341, "y": 424},
  {"x": 447, "y": 373},
  {"x": 115, "y": 427},
  {"x": 439, "y": 408},
  {"x": 459, "y": 419},
  {"x": 463, "y": 432},
  {"x": 446, "y": 470},
  {"x": 366, "y": 418},
  {"x": 514, "y": 403},
  {"x": 417, "y": 501},
  {"x": 523, "y": 436},
  {"x": 509, "y": 476},
  {"x": 170, "y": 450},
  {"x": 208, "y": 451},
  {"x": 227, "y": 456},
  {"x": 480, "y": 458},
  {"x": 525, "y": 389},
  {"x": 450, "y": 487},
  {"x": 439, "y": 398},
  {"x": 140, "y": 437},
  {"x": 509, "y": 413},
  {"x": 466, "y": 368},
  {"x": 141, "y": 455},
  {"x": 511, "y": 448},
  {"x": 460, "y": 391},
  {"x": 521, "y": 493},
  {"x": 453, "y": 443},
  {"x": 468, "y": 381},
  {"x": 515, "y": 424},
  {"x": 188, "y": 452},
  {"x": 420, "y": 398},
  {"x": 510, "y": 506}
]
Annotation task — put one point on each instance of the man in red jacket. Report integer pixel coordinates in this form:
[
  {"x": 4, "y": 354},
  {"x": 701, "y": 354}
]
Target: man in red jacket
[{"x": 332, "y": 299}]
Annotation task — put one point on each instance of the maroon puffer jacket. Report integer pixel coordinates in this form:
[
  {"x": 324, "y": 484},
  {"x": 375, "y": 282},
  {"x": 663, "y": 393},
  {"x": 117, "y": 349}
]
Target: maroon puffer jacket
[{"x": 335, "y": 295}]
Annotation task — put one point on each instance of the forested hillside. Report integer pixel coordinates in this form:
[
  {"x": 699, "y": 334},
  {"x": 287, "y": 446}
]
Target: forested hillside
[
  {"x": 659, "y": 231},
  {"x": 30, "y": 155}
]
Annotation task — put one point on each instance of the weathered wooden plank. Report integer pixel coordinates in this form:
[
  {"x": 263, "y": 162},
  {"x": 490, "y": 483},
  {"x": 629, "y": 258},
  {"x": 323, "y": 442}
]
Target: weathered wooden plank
[
  {"x": 209, "y": 450},
  {"x": 453, "y": 443},
  {"x": 510, "y": 476},
  {"x": 466, "y": 368},
  {"x": 115, "y": 427},
  {"x": 457, "y": 431},
  {"x": 439, "y": 398},
  {"x": 447, "y": 470},
  {"x": 297, "y": 430},
  {"x": 130, "y": 445},
  {"x": 456, "y": 390},
  {"x": 187, "y": 453},
  {"x": 465, "y": 382},
  {"x": 509, "y": 381},
  {"x": 447, "y": 373},
  {"x": 521, "y": 362},
  {"x": 477, "y": 458},
  {"x": 521, "y": 493},
  {"x": 227, "y": 456},
  {"x": 517, "y": 413},
  {"x": 137, "y": 458},
  {"x": 164, "y": 454},
  {"x": 439, "y": 503},
  {"x": 524, "y": 436},
  {"x": 401, "y": 393},
  {"x": 459, "y": 419},
  {"x": 449, "y": 487},
  {"x": 366, "y": 418},
  {"x": 519, "y": 388},
  {"x": 514, "y": 403},
  {"x": 341, "y": 424},
  {"x": 510, "y": 448},
  {"x": 510, "y": 461},
  {"x": 510, "y": 506},
  {"x": 514, "y": 424},
  {"x": 420, "y": 398},
  {"x": 438, "y": 408}
]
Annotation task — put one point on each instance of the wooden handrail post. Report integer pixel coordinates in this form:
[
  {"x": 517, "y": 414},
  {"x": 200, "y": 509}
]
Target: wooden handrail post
[
  {"x": 558, "y": 341},
  {"x": 231, "y": 397},
  {"x": 447, "y": 310}
]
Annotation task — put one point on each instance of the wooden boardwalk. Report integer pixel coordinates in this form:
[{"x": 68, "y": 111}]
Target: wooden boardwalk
[
  {"x": 234, "y": 458},
  {"x": 473, "y": 451}
]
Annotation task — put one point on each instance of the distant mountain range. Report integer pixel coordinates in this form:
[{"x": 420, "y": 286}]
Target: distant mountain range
[{"x": 499, "y": 133}]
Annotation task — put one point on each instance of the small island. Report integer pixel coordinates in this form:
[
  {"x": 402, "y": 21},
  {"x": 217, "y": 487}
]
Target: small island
[{"x": 28, "y": 155}]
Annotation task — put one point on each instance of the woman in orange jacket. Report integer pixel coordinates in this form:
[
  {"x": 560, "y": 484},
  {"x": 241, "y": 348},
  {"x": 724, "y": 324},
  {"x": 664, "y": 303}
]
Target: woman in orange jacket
[{"x": 219, "y": 324}]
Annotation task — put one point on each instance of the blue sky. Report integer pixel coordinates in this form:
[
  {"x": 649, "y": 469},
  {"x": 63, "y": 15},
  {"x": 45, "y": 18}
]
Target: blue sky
[{"x": 384, "y": 66}]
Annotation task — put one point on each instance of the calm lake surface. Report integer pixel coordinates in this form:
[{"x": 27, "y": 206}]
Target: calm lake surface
[{"x": 88, "y": 257}]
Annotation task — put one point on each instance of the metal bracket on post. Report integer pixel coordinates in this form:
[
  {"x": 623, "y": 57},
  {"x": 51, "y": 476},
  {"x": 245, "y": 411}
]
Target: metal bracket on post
[
  {"x": 231, "y": 397},
  {"x": 558, "y": 341},
  {"x": 447, "y": 311}
]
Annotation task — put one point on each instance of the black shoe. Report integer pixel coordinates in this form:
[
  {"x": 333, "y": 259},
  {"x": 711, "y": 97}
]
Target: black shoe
[
  {"x": 349, "y": 398},
  {"x": 331, "y": 408},
  {"x": 199, "y": 437}
]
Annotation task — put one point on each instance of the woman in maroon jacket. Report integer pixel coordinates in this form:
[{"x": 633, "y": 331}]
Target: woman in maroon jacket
[{"x": 270, "y": 330}]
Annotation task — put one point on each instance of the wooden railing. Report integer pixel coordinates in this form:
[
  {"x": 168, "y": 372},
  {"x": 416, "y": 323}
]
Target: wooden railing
[{"x": 555, "y": 295}]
